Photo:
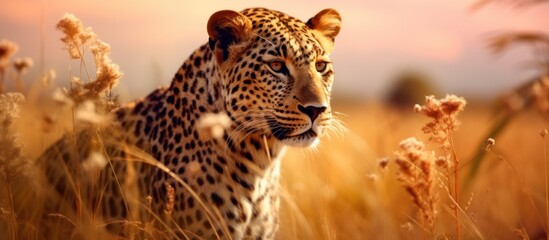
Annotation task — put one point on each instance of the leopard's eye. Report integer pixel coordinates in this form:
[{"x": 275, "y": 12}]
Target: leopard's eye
[
  {"x": 321, "y": 66},
  {"x": 276, "y": 66}
]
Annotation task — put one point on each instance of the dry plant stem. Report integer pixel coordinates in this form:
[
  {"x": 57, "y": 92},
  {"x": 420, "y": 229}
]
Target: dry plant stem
[
  {"x": 42, "y": 37},
  {"x": 12, "y": 219},
  {"x": 1, "y": 82},
  {"x": 443, "y": 113},
  {"x": 82, "y": 62},
  {"x": 267, "y": 148},
  {"x": 137, "y": 155},
  {"x": 529, "y": 194},
  {"x": 546, "y": 191},
  {"x": 20, "y": 86},
  {"x": 456, "y": 185},
  {"x": 77, "y": 166}
]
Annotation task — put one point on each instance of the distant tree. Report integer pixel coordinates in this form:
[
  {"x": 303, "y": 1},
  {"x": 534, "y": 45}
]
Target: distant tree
[{"x": 408, "y": 88}]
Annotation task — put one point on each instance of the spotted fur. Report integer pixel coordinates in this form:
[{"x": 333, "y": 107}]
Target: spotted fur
[{"x": 272, "y": 75}]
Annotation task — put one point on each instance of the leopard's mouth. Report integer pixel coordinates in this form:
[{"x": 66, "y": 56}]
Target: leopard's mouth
[
  {"x": 307, "y": 134},
  {"x": 306, "y": 138}
]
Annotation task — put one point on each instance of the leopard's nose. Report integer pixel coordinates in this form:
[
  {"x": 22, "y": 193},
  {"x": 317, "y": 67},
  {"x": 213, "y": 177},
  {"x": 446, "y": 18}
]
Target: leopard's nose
[{"x": 312, "y": 111}]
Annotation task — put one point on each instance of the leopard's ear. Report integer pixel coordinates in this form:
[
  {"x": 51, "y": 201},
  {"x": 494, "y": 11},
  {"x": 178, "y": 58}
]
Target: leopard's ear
[
  {"x": 328, "y": 23},
  {"x": 227, "y": 28}
]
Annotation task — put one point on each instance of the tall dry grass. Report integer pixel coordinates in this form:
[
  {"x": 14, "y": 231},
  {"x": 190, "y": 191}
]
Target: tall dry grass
[
  {"x": 365, "y": 184},
  {"x": 341, "y": 192}
]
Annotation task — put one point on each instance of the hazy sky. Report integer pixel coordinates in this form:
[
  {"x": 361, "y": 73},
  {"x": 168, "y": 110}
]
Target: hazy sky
[{"x": 150, "y": 39}]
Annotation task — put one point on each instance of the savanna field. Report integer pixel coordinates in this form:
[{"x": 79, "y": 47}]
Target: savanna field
[{"x": 417, "y": 163}]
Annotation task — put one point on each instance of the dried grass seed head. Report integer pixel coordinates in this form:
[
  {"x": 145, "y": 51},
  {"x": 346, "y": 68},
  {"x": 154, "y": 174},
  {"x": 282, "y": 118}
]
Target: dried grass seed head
[
  {"x": 94, "y": 162},
  {"x": 47, "y": 78},
  {"x": 7, "y": 50},
  {"x": 490, "y": 142},
  {"x": 442, "y": 162},
  {"x": 107, "y": 73},
  {"x": 415, "y": 173},
  {"x": 435, "y": 108},
  {"x": 107, "y": 78},
  {"x": 214, "y": 124},
  {"x": 72, "y": 27},
  {"x": 101, "y": 51},
  {"x": 12, "y": 161},
  {"x": 543, "y": 133},
  {"x": 10, "y": 105},
  {"x": 88, "y": 113},
  {"x": 410, "y": 151},
  {"x": 383, "y": 162},
  {"x": 443, "y": 114},
  {"x": 22, "y": 65},
  {"x": 60, "y": 96}
]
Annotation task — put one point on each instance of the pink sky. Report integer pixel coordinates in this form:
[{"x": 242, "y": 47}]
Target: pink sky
[{"x": 150, "y": 39}]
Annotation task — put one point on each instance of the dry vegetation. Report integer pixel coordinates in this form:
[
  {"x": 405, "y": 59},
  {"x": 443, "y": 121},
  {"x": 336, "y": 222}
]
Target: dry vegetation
[
  {"x": 375, "y": 181},
  {"x": 342, "y": 192}
]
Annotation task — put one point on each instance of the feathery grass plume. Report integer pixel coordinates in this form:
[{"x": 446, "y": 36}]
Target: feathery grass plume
[
  {"x": 214, "y": 124},
  {"x": 47, "y": 78},
  {"x": 60, "y": 97},
  {"x": 444, "y": 122},
  {"x": 12, "y": 162},
  {"x": 88, "y": 113},
  {"x": 91, "y": 102},
  {"x": 7, "y": 50},
  {"x": 95, "y": 162},
  {"x": 75, "y": 37},
  {"x": 444, "y": 114},
  {"x": 107, "y": 74},
  {"x": 21, "y": 65},
  {"x": 502, "y": 42},
  {"x": 416, "y": 174}
]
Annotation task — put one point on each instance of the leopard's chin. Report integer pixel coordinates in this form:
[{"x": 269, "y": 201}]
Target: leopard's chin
[{"x": 309, "y": 138}]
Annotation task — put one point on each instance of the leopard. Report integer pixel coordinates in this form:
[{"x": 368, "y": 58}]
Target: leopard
[{"x": 270, "y": 76}]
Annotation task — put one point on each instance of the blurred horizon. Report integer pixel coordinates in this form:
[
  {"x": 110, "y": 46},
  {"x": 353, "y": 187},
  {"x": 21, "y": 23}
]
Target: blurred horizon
[{"x": 446, "y": 41}]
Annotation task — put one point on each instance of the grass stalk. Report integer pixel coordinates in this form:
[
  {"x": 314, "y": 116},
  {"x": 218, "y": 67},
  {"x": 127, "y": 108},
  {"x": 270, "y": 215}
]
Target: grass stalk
[
  {"x": 76, "y": 159},
  {"x": 12, "y": 218},
  {"x": 19, "y": 84},
  {"x": 456, "y": 185},
  {"x": 1, "y": 82},
  {"x": 82, "y": 61},
  {"x": 546, "y": 183},
  {"x": 476, "y": 162}
]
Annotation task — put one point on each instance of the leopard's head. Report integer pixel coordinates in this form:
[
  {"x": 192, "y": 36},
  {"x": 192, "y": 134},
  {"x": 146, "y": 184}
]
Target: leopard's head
[{"x": 276, "y": 71}]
